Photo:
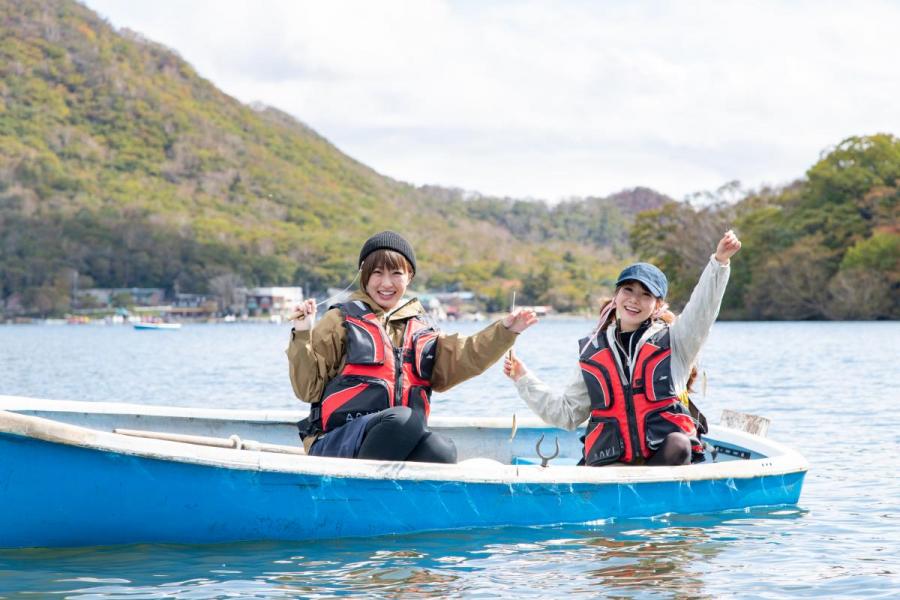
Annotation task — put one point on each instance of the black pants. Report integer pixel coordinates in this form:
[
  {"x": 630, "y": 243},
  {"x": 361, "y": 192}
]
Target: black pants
[
  {"x": 675, "y": 450},
  {"x": 398, "y": 433}
]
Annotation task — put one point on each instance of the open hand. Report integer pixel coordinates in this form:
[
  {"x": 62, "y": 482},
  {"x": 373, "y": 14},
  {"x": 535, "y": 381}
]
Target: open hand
[
  {"x": 520, "y": 319},
  {"x": 513, "y": 367},
  {"x": 303, "y": 316},
  {"x": 728, "y": 247}
]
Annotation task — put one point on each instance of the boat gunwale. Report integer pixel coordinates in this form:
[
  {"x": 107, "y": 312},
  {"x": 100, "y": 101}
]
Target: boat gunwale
[{"x": 779, "y": 460}]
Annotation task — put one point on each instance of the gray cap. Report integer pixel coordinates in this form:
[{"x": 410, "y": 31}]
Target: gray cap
[{"x": 650, "y": 276}]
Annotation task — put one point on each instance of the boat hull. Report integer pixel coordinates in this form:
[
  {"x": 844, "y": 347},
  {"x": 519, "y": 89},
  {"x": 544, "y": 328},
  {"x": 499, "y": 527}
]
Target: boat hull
[
  {"x": 71, "y": 480},
  {"x": 104, "y": 498}
]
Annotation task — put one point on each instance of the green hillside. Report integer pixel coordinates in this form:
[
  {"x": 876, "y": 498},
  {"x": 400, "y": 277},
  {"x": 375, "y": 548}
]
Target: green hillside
[{"x": 122, "y": 165}]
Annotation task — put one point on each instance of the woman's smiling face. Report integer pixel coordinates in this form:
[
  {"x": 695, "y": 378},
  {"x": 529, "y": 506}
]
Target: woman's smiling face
[
  {"x": 386, "y": 286},
  {"x": 634, "y": 305}
]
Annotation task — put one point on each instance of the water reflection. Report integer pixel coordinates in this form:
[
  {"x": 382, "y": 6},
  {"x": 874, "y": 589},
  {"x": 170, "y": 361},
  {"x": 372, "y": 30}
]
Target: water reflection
[
  {"x": 669, "y": 556},
  {"x": 845, "y": 546},
  {"x": 664, "y": 560}
]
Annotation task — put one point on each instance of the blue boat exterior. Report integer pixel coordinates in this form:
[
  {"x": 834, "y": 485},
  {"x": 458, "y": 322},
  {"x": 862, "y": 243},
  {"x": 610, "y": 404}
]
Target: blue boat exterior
[{"x": 55, "y": 494}]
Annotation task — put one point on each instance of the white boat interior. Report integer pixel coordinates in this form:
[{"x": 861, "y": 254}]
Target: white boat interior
[{"x": 508, "y": 440}]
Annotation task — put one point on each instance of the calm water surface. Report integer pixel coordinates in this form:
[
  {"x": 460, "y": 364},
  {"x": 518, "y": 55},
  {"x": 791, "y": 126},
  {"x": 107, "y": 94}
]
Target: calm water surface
[{"x": 829, "y": 388}]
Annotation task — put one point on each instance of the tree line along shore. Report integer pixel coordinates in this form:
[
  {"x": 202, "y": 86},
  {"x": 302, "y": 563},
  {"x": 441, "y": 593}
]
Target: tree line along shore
[{"x": 121, "y": 167}]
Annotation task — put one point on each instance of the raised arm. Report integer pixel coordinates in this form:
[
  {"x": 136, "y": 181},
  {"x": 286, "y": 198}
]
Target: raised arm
[
  {"x": 727, "y": 247},
  {"x": 462, "y": 357},
  {"x": 690, "y": 330}
]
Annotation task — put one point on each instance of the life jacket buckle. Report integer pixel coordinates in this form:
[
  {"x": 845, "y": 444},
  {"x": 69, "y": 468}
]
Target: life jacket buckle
[
  {"x": 312, "y": 424},
  {"x": 638, "y": 387}
]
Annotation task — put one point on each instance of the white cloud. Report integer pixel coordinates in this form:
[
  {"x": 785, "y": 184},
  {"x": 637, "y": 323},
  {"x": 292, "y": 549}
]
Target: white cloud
[{"x": 551, "y": 99}]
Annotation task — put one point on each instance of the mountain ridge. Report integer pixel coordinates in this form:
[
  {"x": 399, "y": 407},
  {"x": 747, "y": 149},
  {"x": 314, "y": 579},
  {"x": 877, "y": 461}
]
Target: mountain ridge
[{"x": 129, "y": 168}]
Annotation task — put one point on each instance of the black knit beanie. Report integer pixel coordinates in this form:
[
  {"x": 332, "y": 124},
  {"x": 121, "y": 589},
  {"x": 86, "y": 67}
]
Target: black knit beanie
[{"x": 388, "y": 240}]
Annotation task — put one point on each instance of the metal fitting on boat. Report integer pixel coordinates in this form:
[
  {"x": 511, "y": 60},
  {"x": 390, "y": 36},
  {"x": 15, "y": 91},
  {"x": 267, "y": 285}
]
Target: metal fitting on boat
[{"x": 545, "y": 460}]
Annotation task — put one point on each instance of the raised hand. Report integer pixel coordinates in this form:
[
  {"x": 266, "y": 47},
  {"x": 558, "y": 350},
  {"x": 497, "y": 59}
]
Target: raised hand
[
  {"x": 304, "y": 315},
  {"x": 513, "y": 367},
  {"x": 728, "y": 247},
  {"x": 520, "y": 319}
]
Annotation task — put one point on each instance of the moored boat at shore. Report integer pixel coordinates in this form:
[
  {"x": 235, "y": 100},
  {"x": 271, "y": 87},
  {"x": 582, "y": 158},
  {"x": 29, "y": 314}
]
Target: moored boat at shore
[
  {"x": 157, "y": 326},
  {"x": 77, "y": 473}
]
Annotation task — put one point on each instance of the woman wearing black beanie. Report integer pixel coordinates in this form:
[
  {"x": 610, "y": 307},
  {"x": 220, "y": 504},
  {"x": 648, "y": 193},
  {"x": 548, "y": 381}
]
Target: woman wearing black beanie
[{"x": 368, "y": 367}]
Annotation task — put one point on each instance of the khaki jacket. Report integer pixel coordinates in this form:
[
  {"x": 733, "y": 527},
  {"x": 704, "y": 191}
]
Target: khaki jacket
[{"x": 315, "y": 358}]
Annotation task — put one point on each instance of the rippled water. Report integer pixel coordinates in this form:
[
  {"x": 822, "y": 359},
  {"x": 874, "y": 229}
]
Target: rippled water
[{"x": 829, "y": 388}]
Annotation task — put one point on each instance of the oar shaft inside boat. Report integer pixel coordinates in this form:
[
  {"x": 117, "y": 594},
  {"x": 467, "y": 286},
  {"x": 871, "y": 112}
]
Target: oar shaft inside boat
[{"x": 230, "y": 442}]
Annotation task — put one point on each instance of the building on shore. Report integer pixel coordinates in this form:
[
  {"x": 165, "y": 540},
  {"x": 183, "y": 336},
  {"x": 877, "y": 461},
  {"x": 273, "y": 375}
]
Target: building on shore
[
  {"x": 113, "y": 297},
  {"x": 194, "y": 306},
  {"x": 273, "y": 301}
]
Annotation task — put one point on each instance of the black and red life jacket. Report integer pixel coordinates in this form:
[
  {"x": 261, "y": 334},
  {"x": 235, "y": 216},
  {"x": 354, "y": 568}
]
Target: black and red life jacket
[
  {"x": 377, "y": 375},
  {"x": 631, "y": 419}
]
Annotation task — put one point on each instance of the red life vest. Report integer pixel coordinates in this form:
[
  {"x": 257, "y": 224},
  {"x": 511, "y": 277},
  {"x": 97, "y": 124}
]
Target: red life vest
[
  {"x": 377, "y": 375},
  {"x": 631, "y": 419}
]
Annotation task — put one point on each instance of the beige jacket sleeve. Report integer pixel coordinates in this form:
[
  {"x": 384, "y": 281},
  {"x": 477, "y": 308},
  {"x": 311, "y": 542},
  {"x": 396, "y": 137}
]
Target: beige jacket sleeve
[
  {"x": 462, "y": 357},
  {"x": 315, "y": 358}
]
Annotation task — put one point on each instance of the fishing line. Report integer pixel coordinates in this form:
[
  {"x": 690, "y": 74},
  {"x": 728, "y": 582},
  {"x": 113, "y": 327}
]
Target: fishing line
[
  {"x": 512, "y": 309},
  {"x": 342, "y": 292},
  {"x": 299, "y": 314}
]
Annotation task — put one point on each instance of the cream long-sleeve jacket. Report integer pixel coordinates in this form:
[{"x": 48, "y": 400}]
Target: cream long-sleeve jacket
[{"x": 687, "y": 335}]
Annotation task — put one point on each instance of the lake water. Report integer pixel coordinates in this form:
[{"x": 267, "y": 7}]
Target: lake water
[{"x": 829, "y": 388}]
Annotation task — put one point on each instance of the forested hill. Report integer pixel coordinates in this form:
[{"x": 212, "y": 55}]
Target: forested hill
[
  {"x": 121, "y": 166},
  {"x": 824, "y": 247}
]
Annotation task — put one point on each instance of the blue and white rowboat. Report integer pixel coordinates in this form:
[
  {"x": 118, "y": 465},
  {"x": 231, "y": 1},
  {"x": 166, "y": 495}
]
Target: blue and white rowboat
[{"x": 67, "y": 479}]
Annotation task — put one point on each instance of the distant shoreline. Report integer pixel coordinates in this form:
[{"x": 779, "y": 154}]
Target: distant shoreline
[{"x": 490, "y": 318}]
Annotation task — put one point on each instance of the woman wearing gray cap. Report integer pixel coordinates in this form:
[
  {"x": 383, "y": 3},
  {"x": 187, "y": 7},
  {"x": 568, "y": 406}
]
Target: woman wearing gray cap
[
  {"x": 634, "y": 370},
  {"x": 369, "y": 365}
]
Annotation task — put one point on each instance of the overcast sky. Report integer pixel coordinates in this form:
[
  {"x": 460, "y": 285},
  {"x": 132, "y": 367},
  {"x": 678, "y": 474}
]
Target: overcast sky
[{"x": 551, "y": 99}]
